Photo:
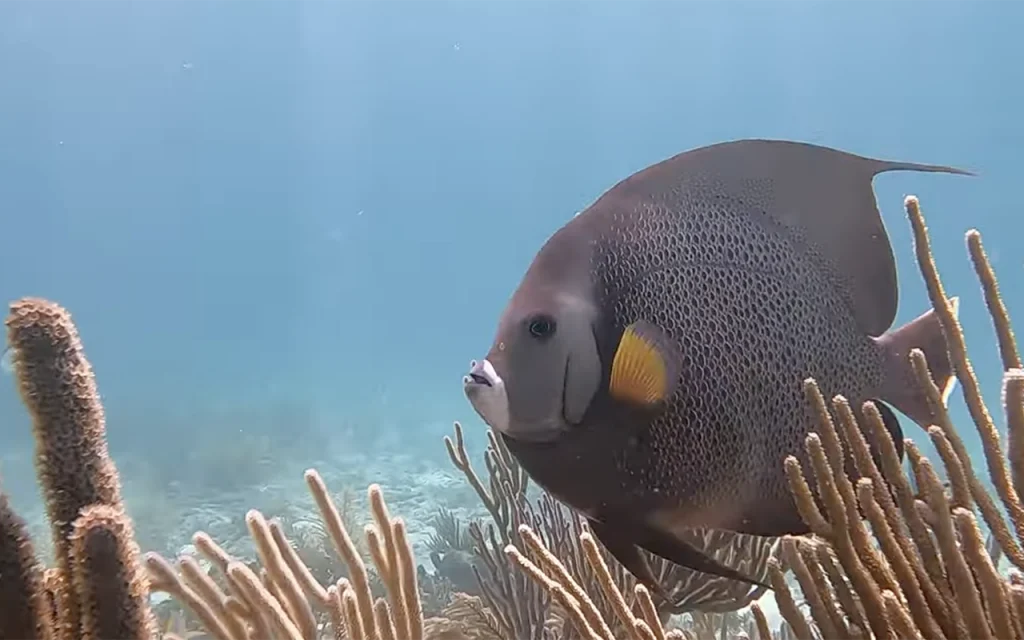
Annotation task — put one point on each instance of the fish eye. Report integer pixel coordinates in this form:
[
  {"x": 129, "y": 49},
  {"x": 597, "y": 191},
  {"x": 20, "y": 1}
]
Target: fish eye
[{"x": 542, "y": 327}]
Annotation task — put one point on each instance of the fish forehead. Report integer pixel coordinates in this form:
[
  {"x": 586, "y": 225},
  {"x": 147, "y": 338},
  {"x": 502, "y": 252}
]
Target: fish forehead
[
  {"x": 531, "y": 298},
  {"x": 560, "y": 273}
]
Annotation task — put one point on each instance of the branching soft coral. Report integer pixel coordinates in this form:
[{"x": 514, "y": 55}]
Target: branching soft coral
[
  {"x": 922, "y": 569},
  {"x": 518, "y": 608},
  {"x": 282, "y": 598}
]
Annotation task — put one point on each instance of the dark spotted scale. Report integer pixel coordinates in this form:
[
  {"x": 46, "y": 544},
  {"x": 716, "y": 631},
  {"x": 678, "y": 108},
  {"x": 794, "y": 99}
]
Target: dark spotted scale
[{"x": 753, "y": 315}]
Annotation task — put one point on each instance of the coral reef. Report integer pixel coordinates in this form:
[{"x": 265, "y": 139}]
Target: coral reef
[{"x": 882, "y": 561}]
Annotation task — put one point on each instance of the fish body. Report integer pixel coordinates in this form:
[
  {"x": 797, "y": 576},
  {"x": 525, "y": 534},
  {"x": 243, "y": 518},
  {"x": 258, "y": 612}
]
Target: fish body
[{"x": 648, "y": 369}]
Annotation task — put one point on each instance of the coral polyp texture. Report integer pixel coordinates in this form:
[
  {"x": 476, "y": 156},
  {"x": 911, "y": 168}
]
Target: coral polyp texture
[
  {"x": 98, "y": 588},
  {"x": 892, "y": 554}
]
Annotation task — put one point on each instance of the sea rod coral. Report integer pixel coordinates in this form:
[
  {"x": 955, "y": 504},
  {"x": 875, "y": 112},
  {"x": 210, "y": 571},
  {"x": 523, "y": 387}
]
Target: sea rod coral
[
  {"x": 917, "y": 569},
  {"x": 98, "y": 588},
  {"x": 920, "y": 569}
]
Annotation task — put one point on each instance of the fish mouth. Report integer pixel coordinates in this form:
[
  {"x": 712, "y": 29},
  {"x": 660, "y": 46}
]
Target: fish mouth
[
  {"x": 478, "y": 379},
  {"x": 482, "y": 373}
]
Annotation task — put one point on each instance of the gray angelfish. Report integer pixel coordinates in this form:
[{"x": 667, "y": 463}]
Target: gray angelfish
[{"x": 648, "y": 369}]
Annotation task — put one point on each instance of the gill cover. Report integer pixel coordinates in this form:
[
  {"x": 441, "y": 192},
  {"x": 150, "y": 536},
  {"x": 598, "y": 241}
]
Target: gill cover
[{"x": 582, "y": 369}]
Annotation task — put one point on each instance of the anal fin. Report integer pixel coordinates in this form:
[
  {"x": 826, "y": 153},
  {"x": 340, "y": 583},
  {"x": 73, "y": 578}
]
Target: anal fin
[
  {"x": 892, "y": 425},
  {"x": 625, "y": 545},
  {"x": 628, "y": 555}
]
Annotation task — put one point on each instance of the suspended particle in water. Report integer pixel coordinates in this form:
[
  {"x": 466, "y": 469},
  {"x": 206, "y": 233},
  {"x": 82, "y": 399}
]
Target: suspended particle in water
[{"x": 7, "y": 361}]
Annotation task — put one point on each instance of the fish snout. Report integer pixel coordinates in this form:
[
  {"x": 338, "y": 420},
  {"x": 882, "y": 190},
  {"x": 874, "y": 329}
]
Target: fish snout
[{"x": 486, "y": 392}]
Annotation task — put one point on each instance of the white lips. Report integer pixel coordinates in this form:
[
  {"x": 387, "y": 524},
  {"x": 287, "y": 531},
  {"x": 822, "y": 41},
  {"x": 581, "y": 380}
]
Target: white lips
[
  {"x": 483, "y": 369},
  {"x": 486, "y": 392}
]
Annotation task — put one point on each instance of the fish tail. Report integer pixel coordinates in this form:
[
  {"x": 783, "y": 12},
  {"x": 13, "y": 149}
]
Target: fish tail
[{"x": 901, "y": 387}]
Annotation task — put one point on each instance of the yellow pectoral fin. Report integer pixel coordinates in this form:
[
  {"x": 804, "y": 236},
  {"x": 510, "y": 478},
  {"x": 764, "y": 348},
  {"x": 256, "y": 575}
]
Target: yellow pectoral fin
[{"x": 640, "y": 372}]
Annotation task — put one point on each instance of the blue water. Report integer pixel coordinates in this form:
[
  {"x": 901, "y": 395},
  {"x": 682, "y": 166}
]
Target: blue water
[{"x": 283, "y": 215}]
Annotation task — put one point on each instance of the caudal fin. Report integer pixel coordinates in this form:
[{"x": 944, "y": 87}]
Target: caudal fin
[{"x": 901, "y": 388}]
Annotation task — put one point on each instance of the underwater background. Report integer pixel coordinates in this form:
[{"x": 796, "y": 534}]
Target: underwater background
[{"x": 284, "y": 228}]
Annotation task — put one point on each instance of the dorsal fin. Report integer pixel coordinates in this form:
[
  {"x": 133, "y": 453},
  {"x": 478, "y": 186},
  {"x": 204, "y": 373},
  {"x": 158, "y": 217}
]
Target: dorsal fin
[{"x": 823, "y": 194}]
